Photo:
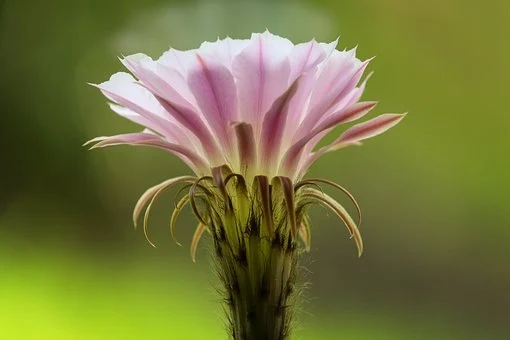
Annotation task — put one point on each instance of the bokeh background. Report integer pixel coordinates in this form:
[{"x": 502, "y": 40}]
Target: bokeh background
[{"x": 435, "y": 190}]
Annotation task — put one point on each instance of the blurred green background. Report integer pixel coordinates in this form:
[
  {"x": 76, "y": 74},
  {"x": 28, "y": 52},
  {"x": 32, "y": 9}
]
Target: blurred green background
[{"x": 435, "y": 190}]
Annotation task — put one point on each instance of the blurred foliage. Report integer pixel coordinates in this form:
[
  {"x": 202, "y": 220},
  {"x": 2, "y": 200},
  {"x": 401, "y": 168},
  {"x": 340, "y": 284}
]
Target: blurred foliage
[{"x": 435, "y": 190}]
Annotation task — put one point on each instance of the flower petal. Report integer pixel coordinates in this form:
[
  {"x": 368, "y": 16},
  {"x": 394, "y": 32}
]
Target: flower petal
[
  {"x": 348, "y": 99},
  {"x": 195, "y": 161},
  {"x": 353, "y": 136},
  {"x": 223, "y": 50},
  {"x": 273, "y": 127},
  {"x": 291, "y": 158},
  {"x": 338, "y": 76},
  {"x": 167, "y": 81},
  {"x": 178, "y": 135},
  {"x": 180, "y": 60},
  {"x": 123, "y": 89},
  {"x": 246, "y": 148},
  {"x": 300, "y": 102},
  {"x": 215, "y": 92},
  {"x": 262, "y": 72},
  {"x": 368, "y": 129},
  {"x": 191, "y": 121},
  {"x": 304, "y": 57},
  {"x": 167, "y": 86}
]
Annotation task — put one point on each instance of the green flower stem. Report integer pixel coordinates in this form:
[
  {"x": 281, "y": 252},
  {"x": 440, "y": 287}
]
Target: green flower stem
[
  {"x": 259, "y": 277},
  {"x": 256, "y": 254}
]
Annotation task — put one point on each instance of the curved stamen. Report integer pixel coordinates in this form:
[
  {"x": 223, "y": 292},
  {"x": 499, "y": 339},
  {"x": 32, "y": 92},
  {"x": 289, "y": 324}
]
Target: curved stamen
[
  {"x": 178, "y": 208},
  {"x": 149, "y": 193},
  {"x": 196, "y": 238},
  {"x": 193, "y": 195},
  {"x": 335, "y": 185},
  {"x": 341, "y": 212}
]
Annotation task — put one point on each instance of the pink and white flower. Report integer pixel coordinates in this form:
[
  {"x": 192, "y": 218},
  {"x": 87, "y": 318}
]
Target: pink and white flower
[
  {"x": 258, "y": 105},
  {"x": 246, "y": 117}
]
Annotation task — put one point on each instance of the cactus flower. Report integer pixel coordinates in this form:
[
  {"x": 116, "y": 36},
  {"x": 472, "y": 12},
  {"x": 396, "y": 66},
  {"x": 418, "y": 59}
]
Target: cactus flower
[{"x": 246, "y": 117}]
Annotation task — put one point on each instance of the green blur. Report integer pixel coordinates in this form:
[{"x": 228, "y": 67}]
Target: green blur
[{"x": 434, "y": 190}]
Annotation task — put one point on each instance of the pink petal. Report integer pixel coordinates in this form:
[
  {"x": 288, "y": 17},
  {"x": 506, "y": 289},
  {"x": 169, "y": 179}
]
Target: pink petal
[
  {"x": 354, "y": 135},
  {"x": 224, "y": 50},
  {"x": 329, "y": 47},
  {"x": 195, "y": 161},
  {"x": 338, "y": 76},
  {"x": 259, "y": 105},
  {"x": 178, "y": 135},
  {"x": 304, "y": 58},
  {"x": 299, "y": 105},
  {"x": 335, "y": 74},
  {"x": 122, "y": 89},
  {"x": 189, "y": 119},
  {"x": 165, "y": 81},
  {"x": 369, "y": 129},
  {"x": 180, "y": 60},
  {"x": 291, "y": 158},
  {"x": 262, "y": 72},
  {"x": 343, "y": 116},
  {"x": 349, "y": 98},
  {"x": 246, "y": 147},
  {"x": 273, "y": 128},
  {"x": 354, "y": 80},
  {"x": 216, "y": 94},
  {"x": 135, "y": 117},
  {"x": 167, "y": 85},
  {"x": 135, "y": 62}
]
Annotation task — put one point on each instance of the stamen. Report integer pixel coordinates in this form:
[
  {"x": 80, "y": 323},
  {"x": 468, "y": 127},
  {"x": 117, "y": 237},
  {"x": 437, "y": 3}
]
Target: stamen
[
  {"x": 196, "y": 238},
  {"x": 340, "y": 211},
  {"x": 178, "y": 208},
  {"x": 335, "y": 185},
  {"x": 142, "y": 201}
]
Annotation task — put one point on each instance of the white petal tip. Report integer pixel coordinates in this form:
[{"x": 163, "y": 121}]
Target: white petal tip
[{"x": 94, "y": 140}]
